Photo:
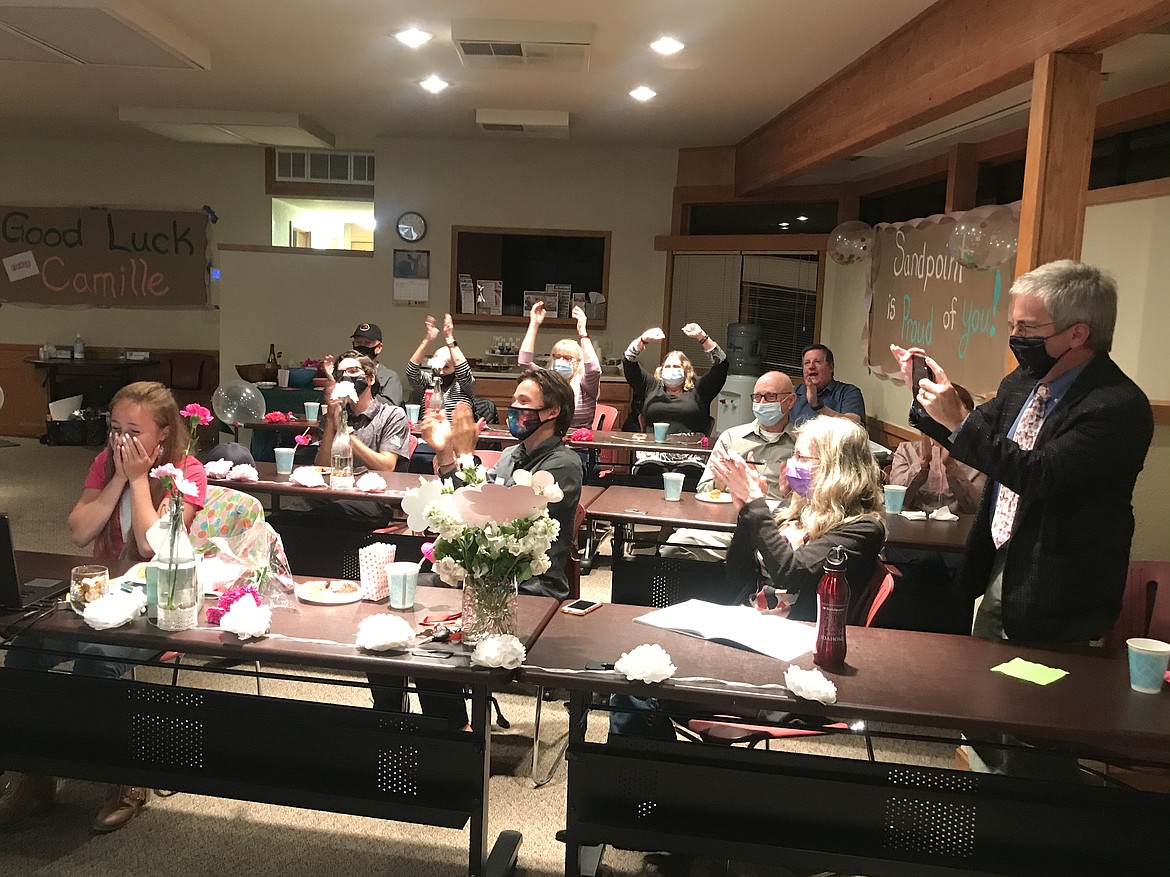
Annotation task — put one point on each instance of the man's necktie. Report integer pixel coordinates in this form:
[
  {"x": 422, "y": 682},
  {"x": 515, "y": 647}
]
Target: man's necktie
[{"x": 1007, "y": 500}]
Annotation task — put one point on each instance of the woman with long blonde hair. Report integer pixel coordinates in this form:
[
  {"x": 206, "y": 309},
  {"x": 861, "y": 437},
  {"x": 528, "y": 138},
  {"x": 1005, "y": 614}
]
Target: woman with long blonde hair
[{"x": 836, "y": 500}]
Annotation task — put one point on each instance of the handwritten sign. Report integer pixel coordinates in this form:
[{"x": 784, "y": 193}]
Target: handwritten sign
[
  {"x": 108, "y": 258},
  {"x": 921, "y": 297}
]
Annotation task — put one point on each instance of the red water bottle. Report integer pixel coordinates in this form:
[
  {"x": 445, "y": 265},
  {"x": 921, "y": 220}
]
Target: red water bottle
[
  {"x": 427, "y": 398},
  {"x": 832, "y": 606}
]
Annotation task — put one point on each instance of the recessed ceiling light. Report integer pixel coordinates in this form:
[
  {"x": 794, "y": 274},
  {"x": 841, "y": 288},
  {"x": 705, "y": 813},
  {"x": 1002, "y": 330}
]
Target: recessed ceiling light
[
  {"x": 434, "y": 84},
  {"x": 413, "y": 37},
  {"x": 667, "y": 46},
  {"x": 642, "y": 93},
  {"x": 802, "y": 219},
  {"x": 784, "y": 225}
]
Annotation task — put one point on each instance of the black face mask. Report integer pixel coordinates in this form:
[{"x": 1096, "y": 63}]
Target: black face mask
[
  {"x": 447, "y": 380},
  {"x": 523, "y": 422},
  {"x": 366, "y": 351},
  {"x": 1032, "y": 355},
  {"x": 359, "y": 384}
]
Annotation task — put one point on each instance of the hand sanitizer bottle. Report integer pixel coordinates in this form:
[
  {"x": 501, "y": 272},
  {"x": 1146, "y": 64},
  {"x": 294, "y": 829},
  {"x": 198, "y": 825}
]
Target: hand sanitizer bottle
[{"x": 78, "y": 347}]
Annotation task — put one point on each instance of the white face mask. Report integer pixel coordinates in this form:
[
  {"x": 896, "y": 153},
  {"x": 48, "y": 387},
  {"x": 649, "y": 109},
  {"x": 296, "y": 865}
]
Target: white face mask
[{"x": 672, "y": 377}]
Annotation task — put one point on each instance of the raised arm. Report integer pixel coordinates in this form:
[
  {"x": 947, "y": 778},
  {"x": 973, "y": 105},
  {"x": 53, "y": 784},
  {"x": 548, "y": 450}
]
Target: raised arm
[
  {"x": 457, "y": 356},
  {"x": 528, "y": 345},
  {"x": 430, "y": 333},
  {"x": 640, "y": 380},
  {"x": 712, "y": 382}
]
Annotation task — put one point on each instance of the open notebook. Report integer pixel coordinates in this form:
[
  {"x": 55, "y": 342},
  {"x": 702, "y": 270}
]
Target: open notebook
[{"x": 744, "y": 626}]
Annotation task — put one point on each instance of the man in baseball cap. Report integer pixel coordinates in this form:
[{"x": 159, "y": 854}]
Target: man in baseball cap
[{"x": 367, "y": 340}]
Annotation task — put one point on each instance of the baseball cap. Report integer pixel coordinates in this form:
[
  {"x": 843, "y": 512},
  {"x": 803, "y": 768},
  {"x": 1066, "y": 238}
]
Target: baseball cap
[{"x": 367, "y": 330}]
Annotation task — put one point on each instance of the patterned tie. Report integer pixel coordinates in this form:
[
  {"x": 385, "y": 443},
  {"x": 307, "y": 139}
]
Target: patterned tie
[{"x": 1007, "y": 500}]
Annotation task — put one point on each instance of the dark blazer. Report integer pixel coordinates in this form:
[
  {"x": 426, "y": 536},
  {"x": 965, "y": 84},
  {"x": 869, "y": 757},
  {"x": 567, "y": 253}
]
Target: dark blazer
[
  {"x": 1066, "y": 562},
  {"x": 799, "y": 571}
]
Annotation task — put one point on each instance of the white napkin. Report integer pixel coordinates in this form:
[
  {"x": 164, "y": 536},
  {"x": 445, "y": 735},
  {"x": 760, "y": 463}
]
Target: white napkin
[
  {"x": 115, "y": 609},
  {"x": 943, "y": 513},
  {"x": 245, "y": 619},
  {"x": 371, "y": 482},
  {"x": 307, "y": 476},
  {"x": 810, "y": 684},
  {"x": 381, "y": 632},
  {"x": 914, "y": 516},
  {"x": 649, "y": 662},
  {"x": 218, "y": 468},
  {"x": 499, "y": 651},
  {"x": 216, "y": 575},
  {"x": 243, "y": 472}
]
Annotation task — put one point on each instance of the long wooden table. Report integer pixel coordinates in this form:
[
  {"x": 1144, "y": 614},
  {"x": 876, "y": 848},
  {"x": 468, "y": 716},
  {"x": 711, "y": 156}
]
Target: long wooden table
[
  {"x": 276, "y": 486},
  {"x": 330, "y": 757},
  {"x": 856, "y": 816}
]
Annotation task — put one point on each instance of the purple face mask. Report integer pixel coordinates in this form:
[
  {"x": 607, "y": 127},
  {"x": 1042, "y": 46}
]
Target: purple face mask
[{"x": 799, "y": 475}]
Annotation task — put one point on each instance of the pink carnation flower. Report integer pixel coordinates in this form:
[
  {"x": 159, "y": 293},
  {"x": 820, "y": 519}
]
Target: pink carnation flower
[
  {"x": 196, "y": 410},
  {"x": 216, "y": 613}
]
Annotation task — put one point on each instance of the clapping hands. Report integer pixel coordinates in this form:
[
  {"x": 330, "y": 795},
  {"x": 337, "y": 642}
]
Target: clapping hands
[{"x": 743, "y": 482}]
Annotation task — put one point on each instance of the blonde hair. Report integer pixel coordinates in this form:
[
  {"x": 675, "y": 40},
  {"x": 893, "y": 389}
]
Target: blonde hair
[
  {"x": 688, "y": 369},
  {"x": 572, "y": 349},
  {"x": 846, "y": 485}
]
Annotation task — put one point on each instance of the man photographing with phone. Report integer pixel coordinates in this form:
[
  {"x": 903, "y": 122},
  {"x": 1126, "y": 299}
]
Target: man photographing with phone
[{"x": 1062, "y": 444}]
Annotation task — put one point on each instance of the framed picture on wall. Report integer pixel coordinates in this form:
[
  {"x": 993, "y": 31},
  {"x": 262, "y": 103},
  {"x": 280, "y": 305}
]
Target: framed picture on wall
[{"x": 412, "y": 264}]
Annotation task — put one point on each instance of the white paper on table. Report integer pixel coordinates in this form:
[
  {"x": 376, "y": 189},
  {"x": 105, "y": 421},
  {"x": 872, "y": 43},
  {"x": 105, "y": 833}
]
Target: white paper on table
[
  {"x": 769, "y": 635},
  {"x": 412, "y": 289}
]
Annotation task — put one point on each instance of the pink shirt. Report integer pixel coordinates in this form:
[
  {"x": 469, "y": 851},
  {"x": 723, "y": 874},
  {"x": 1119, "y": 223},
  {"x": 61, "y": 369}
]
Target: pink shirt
[
  {"x": 96, "y": 479},
  {"x": 585, "y": 390}
]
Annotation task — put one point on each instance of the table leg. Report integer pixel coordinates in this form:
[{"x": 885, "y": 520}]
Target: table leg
[
  {"x": 502, "y": 859},
  {"x": 581, "y": 860}
]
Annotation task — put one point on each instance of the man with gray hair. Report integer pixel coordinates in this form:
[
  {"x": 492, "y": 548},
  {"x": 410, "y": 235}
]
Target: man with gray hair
[{"x": 1062, "y": 444}]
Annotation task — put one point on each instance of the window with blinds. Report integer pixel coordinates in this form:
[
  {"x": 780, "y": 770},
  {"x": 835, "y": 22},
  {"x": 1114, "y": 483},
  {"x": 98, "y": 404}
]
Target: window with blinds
[
  {"x": 777, "y": 291},
  {"x": 779, "y": 294}
]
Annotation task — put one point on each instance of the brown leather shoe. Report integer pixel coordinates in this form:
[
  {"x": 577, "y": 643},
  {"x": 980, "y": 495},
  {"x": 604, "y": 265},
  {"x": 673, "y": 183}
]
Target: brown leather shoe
[
  {"x": 122, "y": 805},
  {"x": 27, "y": 793}
]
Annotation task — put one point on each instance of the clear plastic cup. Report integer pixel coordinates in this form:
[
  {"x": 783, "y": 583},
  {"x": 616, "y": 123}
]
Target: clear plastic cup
[
  {"x": 412, "y": 411},
  {"x": 402, "y": 579},
  {"x": 88, "y": 583},
  {"x": 672, "y": 485},
  {"x": 660, "y": 429},
  {"x": 312, "y": 411}
]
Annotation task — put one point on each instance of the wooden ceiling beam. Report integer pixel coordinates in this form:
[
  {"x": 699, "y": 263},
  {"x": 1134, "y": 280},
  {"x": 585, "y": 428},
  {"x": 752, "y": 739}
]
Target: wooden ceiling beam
[{"x": 950, "y": 56}]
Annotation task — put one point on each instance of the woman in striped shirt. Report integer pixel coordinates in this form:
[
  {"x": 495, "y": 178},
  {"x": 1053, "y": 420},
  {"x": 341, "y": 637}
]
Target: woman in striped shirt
[
  {"x": 447, "y": 363},
  {"x": 576, "y": 362}
]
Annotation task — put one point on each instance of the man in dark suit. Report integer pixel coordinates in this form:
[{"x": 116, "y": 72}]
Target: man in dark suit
[{"x": 1050, "y": 544}]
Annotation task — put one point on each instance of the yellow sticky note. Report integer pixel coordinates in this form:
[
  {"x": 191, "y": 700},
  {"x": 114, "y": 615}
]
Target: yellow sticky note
[{"x": 1029, "y": 671}]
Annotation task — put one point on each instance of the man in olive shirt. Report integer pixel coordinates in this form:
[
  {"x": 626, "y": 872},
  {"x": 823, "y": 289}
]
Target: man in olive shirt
[{"x": 768, "y": 440}]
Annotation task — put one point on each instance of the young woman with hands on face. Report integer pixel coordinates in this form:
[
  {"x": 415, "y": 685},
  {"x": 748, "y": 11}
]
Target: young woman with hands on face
[{"x": 836, "y": 500}]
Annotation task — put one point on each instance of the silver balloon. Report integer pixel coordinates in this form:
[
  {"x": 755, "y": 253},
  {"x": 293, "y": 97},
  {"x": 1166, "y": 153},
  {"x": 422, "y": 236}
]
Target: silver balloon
[
  {"x": 852, "y": 242},
  {"x": 238, "y": 402},
  {"x": 983, "y": 238}
]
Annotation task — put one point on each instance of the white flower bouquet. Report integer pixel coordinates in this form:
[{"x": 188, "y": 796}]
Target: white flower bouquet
[{"x": 490, "y": 538}]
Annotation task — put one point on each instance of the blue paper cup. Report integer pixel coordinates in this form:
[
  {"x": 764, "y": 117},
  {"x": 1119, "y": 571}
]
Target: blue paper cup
[
  {"x": 660, "y": 429},
  {"x": 312, "y": 411},
  {"x": 152, "y": 591},
  {"x": 402, "y": 579},
  {"x": 284, "y": 460},
  {"x": 672, "y": 484},
  {"x": 1147, "y": 664},
  {"x": 895, "y": 496}
]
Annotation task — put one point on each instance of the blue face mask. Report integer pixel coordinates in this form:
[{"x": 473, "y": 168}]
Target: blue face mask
[
  {"x": 562, "y": 367},
  {"x": 799, "y": 475},
  {"x": 767, "y": 413}
]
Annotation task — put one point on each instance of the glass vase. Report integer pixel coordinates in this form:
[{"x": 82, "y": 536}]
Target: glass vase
[
  {"x": 489, "y": 609},
  {"x": 178, "y": 583}
]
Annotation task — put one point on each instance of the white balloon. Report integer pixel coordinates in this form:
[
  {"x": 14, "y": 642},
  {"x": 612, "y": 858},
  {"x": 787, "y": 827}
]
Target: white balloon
[
  {"x": 852, "y": 242},
  {"x": 983, "y": 238},
  {"x": 238, "y": 402}
]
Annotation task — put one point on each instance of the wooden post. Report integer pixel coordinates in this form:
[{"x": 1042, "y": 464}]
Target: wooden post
[
  {"x": 1056, "y": 169},
  {"x": 962, "y": 177}
]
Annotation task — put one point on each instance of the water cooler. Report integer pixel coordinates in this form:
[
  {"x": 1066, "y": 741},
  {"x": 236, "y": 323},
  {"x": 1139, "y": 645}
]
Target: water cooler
[{"x": 733, "y": 406}]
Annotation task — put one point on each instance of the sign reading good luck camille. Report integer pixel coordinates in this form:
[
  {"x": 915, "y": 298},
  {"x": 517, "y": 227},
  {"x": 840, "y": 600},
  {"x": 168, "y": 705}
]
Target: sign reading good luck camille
[
  {"x": 922, "y": 297},
  {"x": 103, "y": 257}
]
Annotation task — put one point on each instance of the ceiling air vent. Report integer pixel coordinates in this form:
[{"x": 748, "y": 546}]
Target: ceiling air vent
[
  {"x": 550, "y": 124},
  {"x": 512, "y": 45}
]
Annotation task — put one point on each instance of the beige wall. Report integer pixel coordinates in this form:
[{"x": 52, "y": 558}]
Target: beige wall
[
  {"x": 1121, "y": 238},
  {"x": 308, "y": 305}
]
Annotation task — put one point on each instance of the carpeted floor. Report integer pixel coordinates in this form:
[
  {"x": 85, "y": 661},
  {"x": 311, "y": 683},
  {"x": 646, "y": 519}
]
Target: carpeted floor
[{"x": 194, "y": 835}]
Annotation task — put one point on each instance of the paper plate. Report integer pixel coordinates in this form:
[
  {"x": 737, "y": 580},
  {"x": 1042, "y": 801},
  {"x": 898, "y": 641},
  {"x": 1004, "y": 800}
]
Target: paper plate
[
  {"x": 705, "y": 496},
  {"x": 314, "y": 592}
]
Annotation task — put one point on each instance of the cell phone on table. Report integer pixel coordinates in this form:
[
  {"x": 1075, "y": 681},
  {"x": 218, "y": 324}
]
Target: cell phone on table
[
  {"x": 580, "y": 607},
  {"x": 919, "y": 371}
]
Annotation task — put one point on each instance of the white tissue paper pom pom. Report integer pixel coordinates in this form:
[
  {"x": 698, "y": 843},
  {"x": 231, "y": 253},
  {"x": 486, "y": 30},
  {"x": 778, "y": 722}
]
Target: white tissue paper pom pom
[
  {"x": 247, "y": 620},
  {"x": 499, "y": 651},
  {"x": 810, "y": 684},
  {"x": 378, "y": 633},
  {"x": 371, "y": 482},
  {"x": 115, "y": 609},
  {"x": 243, "y": 472},
  {"x": 217, "y": 468},
  {"x": 307, "y": 476},
  {"x": 649, "y": 662},
  {"x": 344, "y": 390}
]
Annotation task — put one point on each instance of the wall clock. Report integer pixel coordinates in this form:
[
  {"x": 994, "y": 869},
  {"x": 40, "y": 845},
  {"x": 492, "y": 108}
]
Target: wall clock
[{"x": 411, "y": 226}]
